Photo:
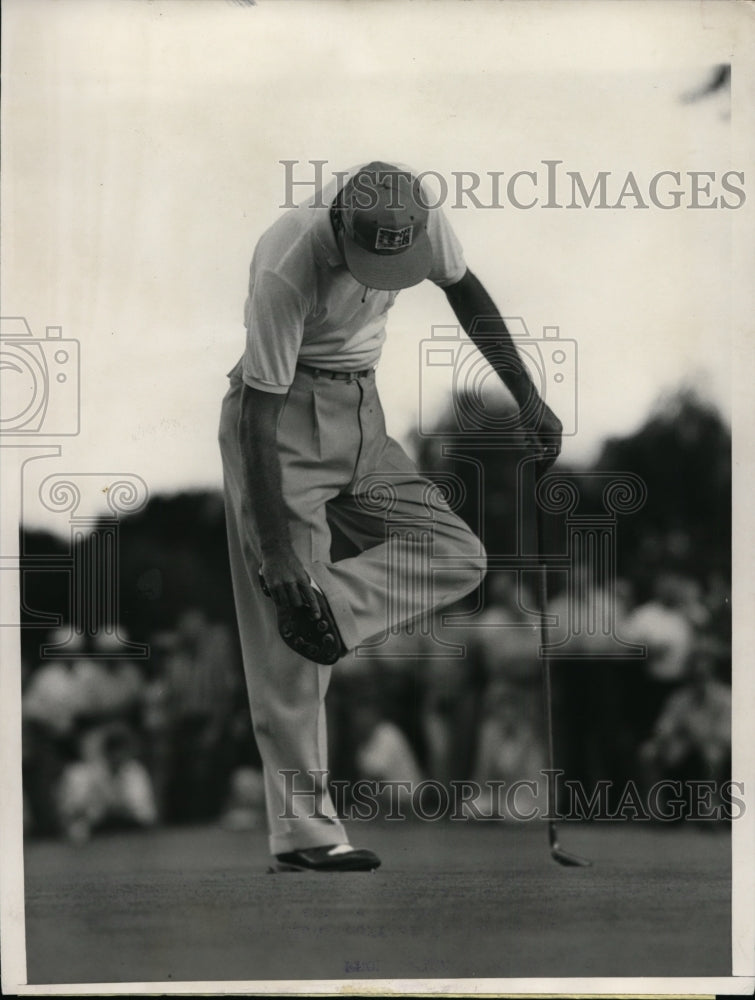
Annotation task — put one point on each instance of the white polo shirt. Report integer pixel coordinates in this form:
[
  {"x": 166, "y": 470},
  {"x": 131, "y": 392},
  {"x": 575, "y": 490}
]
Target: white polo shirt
[{"x": 304, "y": 305}]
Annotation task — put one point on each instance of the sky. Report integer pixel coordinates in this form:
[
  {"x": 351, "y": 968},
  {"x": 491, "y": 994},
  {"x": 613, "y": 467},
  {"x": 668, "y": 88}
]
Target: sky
[{"x": 142, "y": 161}]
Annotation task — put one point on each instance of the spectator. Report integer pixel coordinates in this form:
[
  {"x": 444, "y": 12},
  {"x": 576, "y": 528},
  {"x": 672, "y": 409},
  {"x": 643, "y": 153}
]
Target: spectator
[
  {"x": 718, "y": 605},
  {"x": 245, "y": 808},
  {"x": 393, "y": 667},
  {"x": 200, "y": 675},
  {"x": 693, "y": 604},
  {"x": 508, "y": 643},
  {"x": 383, "y": 752},
  {"x": 663, "y": 625},
  {"x": 156, "y": 724},
  {"x": 53, "y": 696},
  {"x": 510, "y": 747},
  {"x": 109, "y": 787},
  {"x": 50, "y": 707},
  {"x": 691, "y": 739},
  {"x": 507, "y": 639},
  {"x": 452, "y": 686},
  {"x": 594, "y": 732},
  {"x": 111, "y": 685}
]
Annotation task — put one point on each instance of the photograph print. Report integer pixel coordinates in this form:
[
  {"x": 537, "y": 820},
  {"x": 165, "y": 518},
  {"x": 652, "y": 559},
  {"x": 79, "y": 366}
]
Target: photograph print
[{"x": 375, "y": 436}]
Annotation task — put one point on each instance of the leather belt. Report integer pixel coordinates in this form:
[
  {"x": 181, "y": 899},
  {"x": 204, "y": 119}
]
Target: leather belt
[{"x": 340, "y": 376}]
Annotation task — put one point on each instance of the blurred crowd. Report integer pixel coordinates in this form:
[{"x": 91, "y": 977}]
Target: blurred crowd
[
  {"x": 109, "y": 741},
  {"x": 473, "y": 710}
]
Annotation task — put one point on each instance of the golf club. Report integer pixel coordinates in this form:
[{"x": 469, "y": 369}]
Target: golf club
[{"x": 557, "y": 852}]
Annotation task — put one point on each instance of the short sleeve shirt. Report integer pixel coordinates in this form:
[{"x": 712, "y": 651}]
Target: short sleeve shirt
[{"x": 303, "y": 305}]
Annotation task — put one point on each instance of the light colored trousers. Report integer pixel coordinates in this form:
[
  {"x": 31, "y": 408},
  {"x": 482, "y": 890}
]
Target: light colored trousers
[{"x": 339, "y": 468}]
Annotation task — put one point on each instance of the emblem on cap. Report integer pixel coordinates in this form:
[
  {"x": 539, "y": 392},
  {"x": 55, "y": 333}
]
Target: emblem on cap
[{"x": 393, "y": 239}]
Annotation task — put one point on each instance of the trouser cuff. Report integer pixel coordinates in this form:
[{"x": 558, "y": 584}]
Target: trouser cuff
[{"x": 301, "y": 840}]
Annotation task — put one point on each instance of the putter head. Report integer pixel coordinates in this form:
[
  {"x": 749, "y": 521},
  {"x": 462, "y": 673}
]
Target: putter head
[
  {"x": 560, "y": 855},
  {"x": 569, "y": 860}
]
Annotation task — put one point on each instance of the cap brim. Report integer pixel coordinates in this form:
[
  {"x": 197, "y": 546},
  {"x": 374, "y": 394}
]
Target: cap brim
[{"x": 389, "y": 272}]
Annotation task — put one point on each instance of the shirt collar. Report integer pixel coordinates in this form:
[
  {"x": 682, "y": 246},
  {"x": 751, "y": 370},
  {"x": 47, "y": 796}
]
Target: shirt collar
[{"x": 325, "y": 239}]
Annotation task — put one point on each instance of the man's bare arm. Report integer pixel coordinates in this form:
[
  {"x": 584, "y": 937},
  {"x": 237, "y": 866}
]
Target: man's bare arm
[
  {"x": 471, "y": 302},
  {"x": 285, "y": 576}
]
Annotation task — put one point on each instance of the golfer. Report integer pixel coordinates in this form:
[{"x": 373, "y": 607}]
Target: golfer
[{"x": 305, "y": 450}]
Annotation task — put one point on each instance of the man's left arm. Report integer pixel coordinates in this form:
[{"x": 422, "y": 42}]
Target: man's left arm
[{"x": 471, "y": 303}]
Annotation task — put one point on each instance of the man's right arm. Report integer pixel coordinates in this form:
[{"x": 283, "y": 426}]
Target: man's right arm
[{"x": 285, "y": 576}]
